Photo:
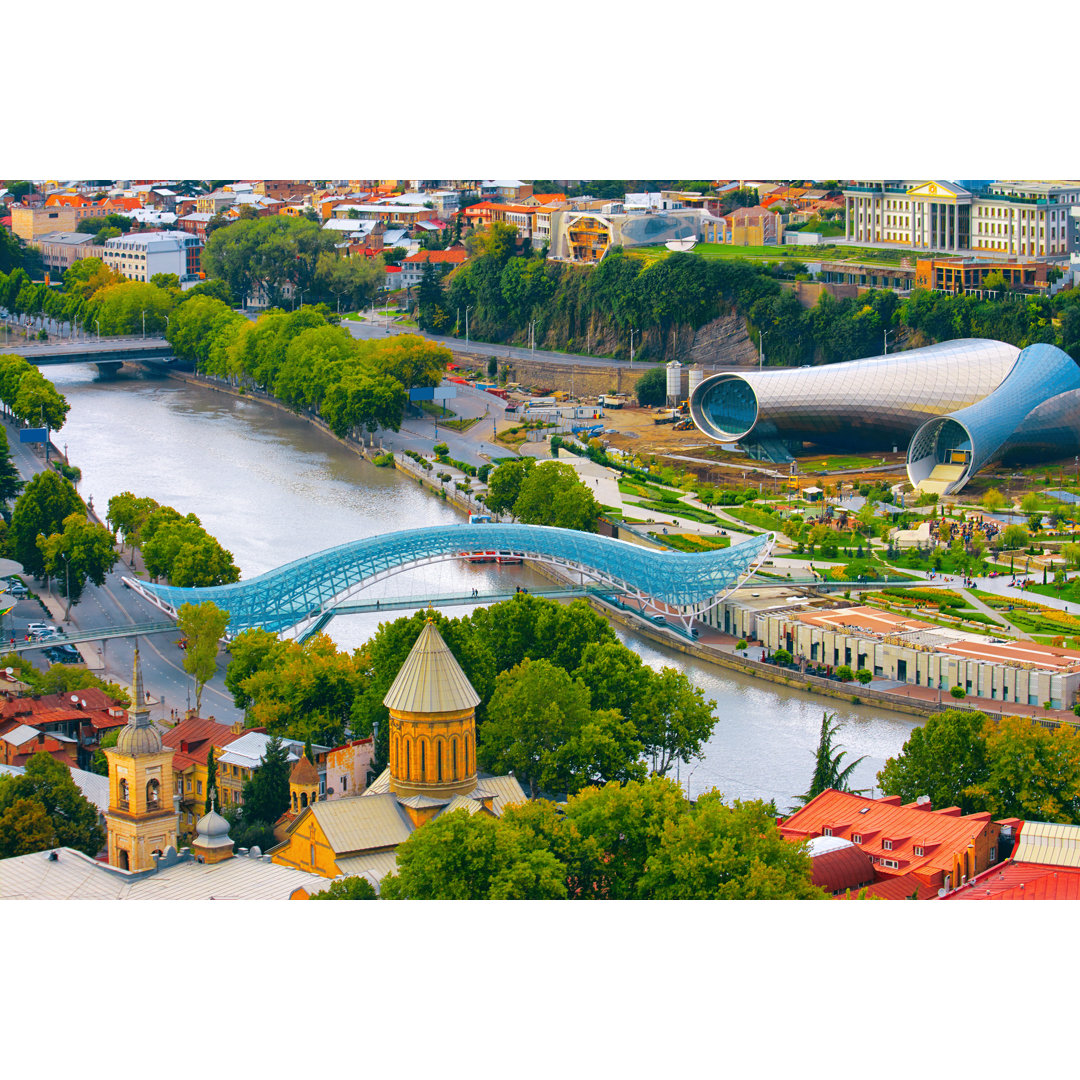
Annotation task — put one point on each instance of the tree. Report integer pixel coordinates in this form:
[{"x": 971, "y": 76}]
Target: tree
[
  {"x": 348, "y": 888},
  {"x": 944, "y": 759},
  {"x": 266, "y": 795},
  {"x": 609, "y": 834},
  {"x": 844, "y": 673},
  {"x": 540, "y": 726},
  {"x": 48, "y": 782},
  {"x": 827, "y": 770},
  {"x": 717, "y": 852},
  {"x": 504, "y": 484},
  {"x": 203, "y": 628},
  {"x": 1031, "y": 773},
  {"x": 993, "y": 499},
  {"x": 47, "y": 500},
  {"x": 25, "y": 828},
  {"x": 66, "y": 678},
  {"x": 11, "y": 483},
  {"x": 211, "y": 781},
  {"x": 459, "y": 856},
  {"x": 552, "y": 494},
  {"x": 1014, "y": 536},
  {"x": 651, "y": 388},
  {"x": 250, "y": 652},
  {"x": 82, "y": 552},
  {"x": 673, "y": 719}
]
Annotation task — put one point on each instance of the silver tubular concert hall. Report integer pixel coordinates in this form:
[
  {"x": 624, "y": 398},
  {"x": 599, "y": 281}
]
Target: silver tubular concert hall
[{"x": 956, "y": 406}]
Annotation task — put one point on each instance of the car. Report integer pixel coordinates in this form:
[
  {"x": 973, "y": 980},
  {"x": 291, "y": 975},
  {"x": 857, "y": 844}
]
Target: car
[
  {"x": 659, "y": 620},
  {"x": 36, "y": 629},
  {"x": 64, "y": 654}
]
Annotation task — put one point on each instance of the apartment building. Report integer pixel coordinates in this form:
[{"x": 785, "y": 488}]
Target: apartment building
[
  {"x": 60, "y": 249},
  {"x": 139, "y": 256},
  {"x": 1009, "y": 218}
]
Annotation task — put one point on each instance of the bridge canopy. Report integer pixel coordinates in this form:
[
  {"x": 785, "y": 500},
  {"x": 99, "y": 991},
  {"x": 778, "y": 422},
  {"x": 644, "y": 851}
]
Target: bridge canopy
[{"x": 316, "y": 584}]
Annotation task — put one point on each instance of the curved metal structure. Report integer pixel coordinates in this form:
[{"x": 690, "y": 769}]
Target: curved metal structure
[
  {"x": 1034, "y": 410},
  {"x": 858, "y": 403},
  {"x": 304, "y": 590}
]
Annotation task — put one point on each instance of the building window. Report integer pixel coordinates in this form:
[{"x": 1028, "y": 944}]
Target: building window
[
  {"x": 826, "y": 831},
  {"x": 892, "y": 864},
  {"x": 856, "y": 838},
  {"x": 198, "y": 787},
  {"x": 344, "y": 783},
  {"x": 887, "y": 845},
  {"x": 919, "y": 850},
  {"x": 311, "y": 854}
]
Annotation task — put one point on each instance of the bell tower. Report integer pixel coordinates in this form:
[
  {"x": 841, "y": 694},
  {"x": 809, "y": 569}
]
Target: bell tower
[
  {"x": 432, "y": 722},
  {"x": 141, "y": 819},
  {"x": 303, "y": 785}
]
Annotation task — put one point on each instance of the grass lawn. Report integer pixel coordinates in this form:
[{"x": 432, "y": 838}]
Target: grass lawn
[
  {"x": 462, "y": 424},
  {"x": 640, "y": 490},
  {"x": 693, "y": 542},
  {"x": 691, "y": 513},
  {"x": 436, "y": 410},
  {"x": 832, "y": 464},
  {"x": 778, "y": 253}
]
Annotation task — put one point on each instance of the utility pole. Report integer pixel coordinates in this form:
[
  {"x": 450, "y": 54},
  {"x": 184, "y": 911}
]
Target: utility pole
[
  {"x": 632, "y": 333},
  {"x": 467, "y": 310},
  {"x": 761, "y": 348}
]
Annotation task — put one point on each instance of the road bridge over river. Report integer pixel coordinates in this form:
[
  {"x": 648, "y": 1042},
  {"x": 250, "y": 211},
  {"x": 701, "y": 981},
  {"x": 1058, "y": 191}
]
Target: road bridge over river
[{"x": 105, "y": 352}]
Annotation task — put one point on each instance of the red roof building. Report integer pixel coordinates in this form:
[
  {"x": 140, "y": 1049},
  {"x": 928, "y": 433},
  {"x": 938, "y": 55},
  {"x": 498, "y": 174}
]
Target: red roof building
[
  {"x": 1022, "y": 881},
  {"x": 936, "y": 848}
]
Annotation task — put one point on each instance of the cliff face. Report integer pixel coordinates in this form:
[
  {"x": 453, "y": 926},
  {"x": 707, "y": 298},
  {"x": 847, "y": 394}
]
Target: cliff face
[{"x": 724, "y": 343}]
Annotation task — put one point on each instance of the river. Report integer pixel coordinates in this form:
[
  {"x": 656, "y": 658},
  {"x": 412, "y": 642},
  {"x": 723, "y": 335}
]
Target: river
[{"x": 272, "y": 488}]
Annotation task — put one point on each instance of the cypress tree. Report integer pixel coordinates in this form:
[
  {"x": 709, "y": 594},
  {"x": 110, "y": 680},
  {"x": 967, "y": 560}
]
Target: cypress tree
[{"x": 211, "y": 778}]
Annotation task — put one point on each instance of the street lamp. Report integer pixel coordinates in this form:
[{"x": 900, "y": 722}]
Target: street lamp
[
  {"x": 887, "y": 333},
  {"x": 632, "y": 333},
  {"x": 144, "y": 323},
  {"x": 98, "y": 325},
  {"x": 467, "y": 310},
  {"x": 762, "y": 335}
]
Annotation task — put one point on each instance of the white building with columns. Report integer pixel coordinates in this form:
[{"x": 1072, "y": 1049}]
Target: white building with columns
[{"x": 1021, "y": 219}]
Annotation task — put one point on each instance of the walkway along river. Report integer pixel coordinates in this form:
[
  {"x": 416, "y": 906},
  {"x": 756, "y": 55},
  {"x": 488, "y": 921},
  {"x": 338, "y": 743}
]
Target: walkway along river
[{"x": 272, "y": 488}]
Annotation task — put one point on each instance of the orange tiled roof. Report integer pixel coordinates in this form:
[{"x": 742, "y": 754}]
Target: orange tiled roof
[
  {"x": 937, "y": 833},
  {"x": 454, "y": 255},
  {"x": 65, "y": 200},
  {"x": 901, "y": 887}
]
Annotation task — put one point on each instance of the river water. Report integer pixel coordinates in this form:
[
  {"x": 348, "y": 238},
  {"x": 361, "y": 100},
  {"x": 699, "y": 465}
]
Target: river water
[{"x": 272, "y": 488}]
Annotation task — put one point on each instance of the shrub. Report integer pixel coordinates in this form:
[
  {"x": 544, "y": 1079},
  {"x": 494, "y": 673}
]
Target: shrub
[
  {"x": 383, "y": 460},
  {"x": 844, "y": 673},
  {"x": 741, "y": 644},
  {"x": 958, "y": 692},
  {"x": 864, "y": 675},
  {"x": 781, "y": 656}
]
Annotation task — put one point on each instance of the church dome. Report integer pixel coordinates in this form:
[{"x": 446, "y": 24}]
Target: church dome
[
  {"x": 138, "y": 739},
  {"x": 212, "y": 831}
]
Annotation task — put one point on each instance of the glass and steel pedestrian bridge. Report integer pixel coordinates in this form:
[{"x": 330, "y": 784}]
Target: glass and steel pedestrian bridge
[{"x": 295, "y": 595}]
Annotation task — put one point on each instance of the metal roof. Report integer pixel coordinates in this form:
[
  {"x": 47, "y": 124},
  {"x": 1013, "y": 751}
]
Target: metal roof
[
  {"x": 374, "y": 865},
  {"x": 431, "y": 679},
  {"x": 1052, "y": 845},
  {"x": 74, "y": 876},
  {"x": 360, "y": 824},
  {"x": 24, "y": 733}
]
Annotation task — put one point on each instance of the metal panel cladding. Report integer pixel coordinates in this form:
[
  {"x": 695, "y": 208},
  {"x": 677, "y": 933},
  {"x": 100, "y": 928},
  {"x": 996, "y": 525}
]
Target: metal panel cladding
[
  {"x": 982, "y": 430},
  {"x": 859, "y": 403}
]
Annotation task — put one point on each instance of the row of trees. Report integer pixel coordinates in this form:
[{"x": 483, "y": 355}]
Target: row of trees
[
  {"x": 550, "y": 493},
  {"x": 51, "y": 535},
  {"x": 174, "y": 546},
  {"x": 302, "y": 360},
  {"x": 1011, "y": 768},
  {"x": 563, "y": 702},
  {"x": 28, "y": 396},
  {"x": 635, "y": 841}
]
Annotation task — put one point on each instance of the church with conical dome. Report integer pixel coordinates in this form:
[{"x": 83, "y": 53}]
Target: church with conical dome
[{"x": 432, "y": 771}]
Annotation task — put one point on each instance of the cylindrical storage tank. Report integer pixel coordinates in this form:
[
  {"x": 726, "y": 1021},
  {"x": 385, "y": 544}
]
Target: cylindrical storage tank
[
  {"x": 697, "y": 373},
  {"x": 674, "y": 380}
]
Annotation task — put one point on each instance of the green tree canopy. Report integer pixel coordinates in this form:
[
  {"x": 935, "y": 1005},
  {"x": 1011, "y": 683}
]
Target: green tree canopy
[
  {"x": 82, "y": 551},
  {"x": 48, "y": 783},
  {"x": 945, "y": 759},
  {"x": 47, "y": 500},
  {"x": 828, "y": 772},
  {"x": 552, "y": 494},
  {"x": 266, "y": 795},
  {"x": 203, "y": 626},
  {"x": 348, "y": 888}
]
